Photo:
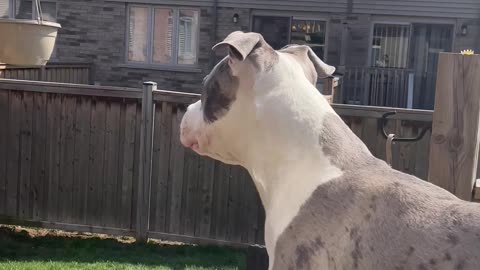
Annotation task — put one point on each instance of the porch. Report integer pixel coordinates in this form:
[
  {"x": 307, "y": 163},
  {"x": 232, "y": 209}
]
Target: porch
[{"x": 390, "y": 87}]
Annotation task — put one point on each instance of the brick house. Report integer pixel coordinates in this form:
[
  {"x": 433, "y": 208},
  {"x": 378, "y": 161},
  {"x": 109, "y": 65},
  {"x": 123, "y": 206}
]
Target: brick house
[{"x": 386, "y": 49}]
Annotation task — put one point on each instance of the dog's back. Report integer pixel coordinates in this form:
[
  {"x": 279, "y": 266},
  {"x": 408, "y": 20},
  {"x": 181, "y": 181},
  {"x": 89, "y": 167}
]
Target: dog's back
[{"x": 374, "y": 217}]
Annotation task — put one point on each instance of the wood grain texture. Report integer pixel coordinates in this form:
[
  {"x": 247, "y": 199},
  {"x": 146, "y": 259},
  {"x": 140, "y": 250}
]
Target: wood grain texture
[
  {"x": 13, "y": 153},
  {"x": 128, "y": 165},
  {"x": 67, "y": 148},
  {"x": 190, "y": 200},
  {"x": 4, "y": 119},
  {"x": 24, "y": 199},
  {"x": 161, "y": 165},
  {"x": 39, "y": 161},
  {"x": 110, "y": 173},
  {"x": 455, "y": 139},
  {"x": 96, "y": 162},
  {"x": 177, "y": 176},
  {"x": 54, "y": 109},
  {"x": 81, "y": 160},
  {"x": 206, "y": 179}
]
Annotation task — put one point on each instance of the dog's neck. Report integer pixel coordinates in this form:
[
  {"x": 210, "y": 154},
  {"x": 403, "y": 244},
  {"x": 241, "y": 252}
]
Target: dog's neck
[
  {"x": 297, "y": 156},
  {"x": 299, "y": 138},
  {"x": 305, "y": 159}
]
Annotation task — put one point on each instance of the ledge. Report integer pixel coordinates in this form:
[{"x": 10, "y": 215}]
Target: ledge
[{"x": 162, "y": 68}]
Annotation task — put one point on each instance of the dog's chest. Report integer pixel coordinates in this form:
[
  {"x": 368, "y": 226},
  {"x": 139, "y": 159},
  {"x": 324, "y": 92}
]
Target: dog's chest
[{"x": 289, "y": 196}]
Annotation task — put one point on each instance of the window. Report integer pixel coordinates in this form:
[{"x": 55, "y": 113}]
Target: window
[
  {"x": 4, "y": 9},
  {"x": 311, "y": 33},
  {"x": 390, "y": 45},
  {"x": 26, "y": 9},
  {"x": 162, "y": 36},
  {"x": 280, "y": 31}
]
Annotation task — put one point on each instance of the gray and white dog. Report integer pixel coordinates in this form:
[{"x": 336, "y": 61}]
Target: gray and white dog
[{"x": 330, "y": 204}]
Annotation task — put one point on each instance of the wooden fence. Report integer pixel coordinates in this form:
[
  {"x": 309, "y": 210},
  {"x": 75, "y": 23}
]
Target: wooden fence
[
  {"x": 77, "y": 73},
  {"x": 70, "y": 159}
]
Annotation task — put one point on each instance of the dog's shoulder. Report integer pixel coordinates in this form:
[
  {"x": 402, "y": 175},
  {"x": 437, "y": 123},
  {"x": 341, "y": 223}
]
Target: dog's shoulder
[{"x": 363, "y": 217}]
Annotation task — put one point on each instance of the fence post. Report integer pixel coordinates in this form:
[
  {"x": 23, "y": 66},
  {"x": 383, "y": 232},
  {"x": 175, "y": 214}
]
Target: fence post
[
  {"x": 328, "y": 89},
  {"x": 455, "y": 129},
  {"x": 91, "y": 74},
  {"x": 145, "y": 162},
  {"x": 43, "y": 74}
]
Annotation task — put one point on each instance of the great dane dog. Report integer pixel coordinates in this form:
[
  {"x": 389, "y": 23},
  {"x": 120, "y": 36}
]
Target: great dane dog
[{"x": 330, "y": 204}]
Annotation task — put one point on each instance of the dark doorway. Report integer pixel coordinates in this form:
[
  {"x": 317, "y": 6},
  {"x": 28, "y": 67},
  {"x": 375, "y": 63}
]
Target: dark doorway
[
  {"x": 428, "y": 40},
  {"x": 275, "y": 30}
]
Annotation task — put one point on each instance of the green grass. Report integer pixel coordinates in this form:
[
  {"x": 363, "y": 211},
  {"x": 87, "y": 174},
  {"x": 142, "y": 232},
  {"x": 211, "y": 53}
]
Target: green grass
[{"x": 19, "y": 250}]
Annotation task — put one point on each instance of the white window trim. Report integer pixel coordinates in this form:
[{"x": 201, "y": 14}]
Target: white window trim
[
  {"x": 13, "y": 6},
  {"x": 149, "y": 64}
]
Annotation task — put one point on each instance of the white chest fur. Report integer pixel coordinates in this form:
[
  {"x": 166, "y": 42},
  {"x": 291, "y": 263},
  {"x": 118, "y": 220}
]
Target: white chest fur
[
  {"x": 287, "y": 190},
  {"x": 286, "y": 161}
]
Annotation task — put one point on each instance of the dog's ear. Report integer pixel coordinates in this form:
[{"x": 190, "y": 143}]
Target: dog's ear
[
  {"x": 313, "y": 67},
  {"x": 240, "y": 44},
  {"x": 323, "y": 70}
]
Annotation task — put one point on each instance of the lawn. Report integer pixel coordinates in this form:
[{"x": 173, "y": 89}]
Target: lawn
[{"x": 25, "y": 248}]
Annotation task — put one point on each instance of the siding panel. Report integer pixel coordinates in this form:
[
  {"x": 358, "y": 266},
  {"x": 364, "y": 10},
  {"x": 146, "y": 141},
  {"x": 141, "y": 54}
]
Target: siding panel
[
  {"x": 319, "y": 5},
  {"x": 305, "y": 5},
  {"x": 423, "y": 8}
]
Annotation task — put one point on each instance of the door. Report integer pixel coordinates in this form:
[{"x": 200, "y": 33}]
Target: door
[
  {"x": 428, "y": 40},
  {"x": 275, "y": 30}
]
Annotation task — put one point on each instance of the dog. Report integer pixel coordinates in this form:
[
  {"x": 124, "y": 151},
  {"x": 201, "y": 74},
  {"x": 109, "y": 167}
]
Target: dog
[{"x": 330, "y": 204}]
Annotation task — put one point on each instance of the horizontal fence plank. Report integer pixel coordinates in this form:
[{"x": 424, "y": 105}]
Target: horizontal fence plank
[
  {"x": 175, "y": 97},
  {"x": 377, "y": 112},
  {"x": 55, "y": 72},
  {"x": 70, "y": 89}
]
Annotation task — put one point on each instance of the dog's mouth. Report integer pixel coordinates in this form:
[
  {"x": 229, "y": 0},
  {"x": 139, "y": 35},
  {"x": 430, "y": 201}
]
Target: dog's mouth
[{"x": 227, "y": 159}]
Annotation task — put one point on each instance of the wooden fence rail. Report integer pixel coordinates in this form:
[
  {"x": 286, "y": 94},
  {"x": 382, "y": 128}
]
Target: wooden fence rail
[
  {"x": 70, "y": 158},
  {"x": 77, "y": 73}
]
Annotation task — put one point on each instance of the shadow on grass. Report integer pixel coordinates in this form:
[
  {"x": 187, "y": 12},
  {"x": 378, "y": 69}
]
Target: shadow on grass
[{"x": 20, "y": 246}]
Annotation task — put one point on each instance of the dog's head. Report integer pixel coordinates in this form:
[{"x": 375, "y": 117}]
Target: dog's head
[{"x": 250, "y": 98}]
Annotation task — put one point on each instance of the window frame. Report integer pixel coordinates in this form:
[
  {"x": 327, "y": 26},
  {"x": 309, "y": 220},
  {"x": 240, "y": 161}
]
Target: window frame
[
  {"x": 13, "y": 7},
  {"x": 372, "y": 31},
  {"x": 150, "y": 64},
  {"x": 410, "y": 22},
  {"x": 325, "y": 45}
]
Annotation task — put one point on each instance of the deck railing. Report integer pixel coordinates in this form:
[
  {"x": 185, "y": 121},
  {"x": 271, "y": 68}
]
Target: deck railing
[{"x": 391, "y": 87}]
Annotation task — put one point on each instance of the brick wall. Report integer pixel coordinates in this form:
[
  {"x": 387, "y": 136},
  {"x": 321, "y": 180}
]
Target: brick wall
[{"x": 94, "y": 31}]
